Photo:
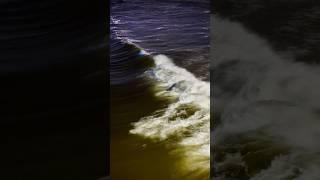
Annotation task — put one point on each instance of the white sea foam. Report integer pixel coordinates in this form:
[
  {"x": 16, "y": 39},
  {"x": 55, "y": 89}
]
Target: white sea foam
[
  {"x": 257, "y": 90},
  {"x": 186, "y": 119}
]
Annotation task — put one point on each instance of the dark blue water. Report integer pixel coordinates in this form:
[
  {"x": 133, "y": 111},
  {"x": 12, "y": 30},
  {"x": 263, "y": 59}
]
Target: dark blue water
[{"x": 177, "y": 29}]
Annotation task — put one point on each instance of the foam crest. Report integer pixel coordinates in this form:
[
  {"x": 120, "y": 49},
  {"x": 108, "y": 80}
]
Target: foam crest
[{"x": 186, "y": 119}]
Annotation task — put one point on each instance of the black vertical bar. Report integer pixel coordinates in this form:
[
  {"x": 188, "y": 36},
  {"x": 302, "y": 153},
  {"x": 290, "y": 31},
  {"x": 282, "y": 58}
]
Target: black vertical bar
[{"x": 53, "y": 66}]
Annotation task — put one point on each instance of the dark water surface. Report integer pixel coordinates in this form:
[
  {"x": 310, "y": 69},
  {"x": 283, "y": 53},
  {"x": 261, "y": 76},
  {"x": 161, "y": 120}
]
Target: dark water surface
[{"x": 177, "y": 29}]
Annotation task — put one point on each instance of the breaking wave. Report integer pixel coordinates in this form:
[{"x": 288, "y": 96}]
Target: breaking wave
[
  {"x": 184, "y": 124},
  {"x": 186, "y": 119},
  {"x": 266, "y": 109}
]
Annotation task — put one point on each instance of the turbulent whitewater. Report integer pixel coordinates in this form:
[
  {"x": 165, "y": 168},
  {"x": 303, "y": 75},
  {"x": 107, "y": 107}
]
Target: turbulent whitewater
[
  {"x": 266, "y": 109},
  {"x": 187, "y": 118}
]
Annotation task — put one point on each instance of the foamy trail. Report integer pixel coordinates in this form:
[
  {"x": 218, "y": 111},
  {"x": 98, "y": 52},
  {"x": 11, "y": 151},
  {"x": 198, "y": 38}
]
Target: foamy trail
[{"x": 186, "y": 118}]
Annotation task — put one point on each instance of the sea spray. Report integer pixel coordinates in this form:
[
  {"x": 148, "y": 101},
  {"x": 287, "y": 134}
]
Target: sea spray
[{"x": 268, "y": 108}]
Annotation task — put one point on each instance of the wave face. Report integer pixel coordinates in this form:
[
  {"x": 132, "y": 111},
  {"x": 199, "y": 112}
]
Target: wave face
[
  {"x": 127, "y": 63},
  {"x": 266, "y": 109}
]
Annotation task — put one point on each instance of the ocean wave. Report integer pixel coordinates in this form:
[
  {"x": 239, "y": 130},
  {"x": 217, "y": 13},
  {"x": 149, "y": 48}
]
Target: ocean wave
[
  {"x": 266, "y": 109},
  {"x": 186, "y": 119}
]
